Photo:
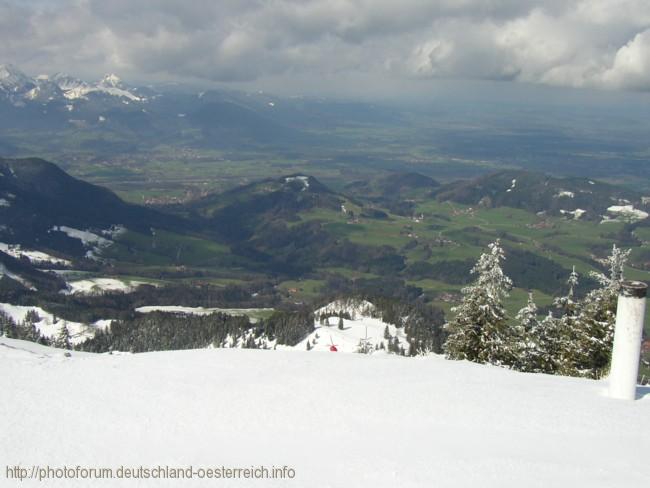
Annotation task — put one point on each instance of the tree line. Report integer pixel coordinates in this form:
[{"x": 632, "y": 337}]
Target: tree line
[{"x": 576, "y": 340}]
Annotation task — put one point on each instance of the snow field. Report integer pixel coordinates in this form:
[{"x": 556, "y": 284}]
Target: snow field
[
  {"x": 99, "y": 285},
  {"x": 340, "y": 420},
  {"x": 347, "y": 339},
  {"x": 35, "y": 257}
]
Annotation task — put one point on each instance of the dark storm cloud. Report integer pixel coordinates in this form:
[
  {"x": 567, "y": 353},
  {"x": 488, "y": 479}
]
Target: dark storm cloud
[{"x": 591, "y": 43}]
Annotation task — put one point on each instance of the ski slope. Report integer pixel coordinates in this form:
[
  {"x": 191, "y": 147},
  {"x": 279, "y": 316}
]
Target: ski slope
[
  {"x": 348, "y": 339},
  {"x": 360, "y": 328},
  {"x": 339, "y": 420}
]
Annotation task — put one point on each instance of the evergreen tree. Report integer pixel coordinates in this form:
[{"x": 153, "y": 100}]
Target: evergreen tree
[
  {"x": 340, "y": 323},
  {"x": 63, "y": 339},
  {"x": 29, "y": 332},
  {"x": 365, "y": 346},
  {"x": 32, "y": 317},
  {"x": 598, "y": 316},
  {"x": 568, "y": 302},
  {"x": 582, "y": 337},
  {"x": 546, "y": 340},
  {"x": 386, "y": 333},
  {"x": 526, "y": 322},
  {"x": 479, "y": 331},
  {"x": 567, "y": 350},
  {"x": 527, "y": 316},
  {"x": 7, "y": 326},
  {"x": 422, "y": 326},
  {"x": 250, "y": 343},
  {"x": 308, "y": 345},
  {"x": 393, "y": 345}
]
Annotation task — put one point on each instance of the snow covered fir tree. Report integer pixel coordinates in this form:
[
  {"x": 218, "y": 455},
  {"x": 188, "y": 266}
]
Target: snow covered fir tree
[{"x": 479, "y": 331}]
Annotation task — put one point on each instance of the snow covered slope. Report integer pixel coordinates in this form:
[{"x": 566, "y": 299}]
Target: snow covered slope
[
  {"x": 360, "y": 328},
  {"x": 97, "y": 286},
  {"x": 49, "y": 325},
  {"x": 252, "y": 313},
  {"x": 348, "y": 339},
  {"x": 339, "y": 420},
  {"x": 35, "y": 257},
  {"x": 110, "y": 85}
]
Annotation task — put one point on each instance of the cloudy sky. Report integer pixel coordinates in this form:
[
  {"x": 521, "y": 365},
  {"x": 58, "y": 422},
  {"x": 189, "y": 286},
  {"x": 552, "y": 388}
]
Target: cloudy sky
[{"x": 313, "y": 44}]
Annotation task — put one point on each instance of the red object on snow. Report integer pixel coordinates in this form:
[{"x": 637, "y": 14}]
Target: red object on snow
[{"x": 333, "y": 348}]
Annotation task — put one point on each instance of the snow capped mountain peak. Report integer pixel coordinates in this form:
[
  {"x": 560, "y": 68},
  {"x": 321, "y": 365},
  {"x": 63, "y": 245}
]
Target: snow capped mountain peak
[
  {"x": 9, "y": 71},
  {"x": 111, "y": 80},
  {"x": 67, "y": 82},
  {"x": 11, "y": 78},
  {"x": 20, "y": 87},
  {"x": 45, "y": 90},
  {"x": 112, "y": 84},
  {"x": 73, "y": 88}
]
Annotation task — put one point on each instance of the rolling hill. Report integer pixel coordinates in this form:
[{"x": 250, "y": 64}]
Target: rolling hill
[
  {"x": 414, "y": 238},
  {"x": 44, "y": 207},
  {"x": 536, "y": 192}
]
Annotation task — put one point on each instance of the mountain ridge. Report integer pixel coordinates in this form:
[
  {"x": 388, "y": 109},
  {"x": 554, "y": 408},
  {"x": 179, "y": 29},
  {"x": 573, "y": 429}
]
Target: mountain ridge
[
  {"x": 539, "y": 192},
  {"x": 39, "y": 196},
  {"x": 18, "y": 87}
]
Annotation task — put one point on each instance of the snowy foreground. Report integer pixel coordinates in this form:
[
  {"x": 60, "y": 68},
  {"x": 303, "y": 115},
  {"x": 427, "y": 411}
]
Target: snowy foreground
[{"x": 339, "y": 420}]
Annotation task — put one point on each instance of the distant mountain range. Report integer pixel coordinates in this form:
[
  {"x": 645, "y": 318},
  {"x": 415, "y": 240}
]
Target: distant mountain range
[
  {"x": 20, "y": 89},
  {"x": 109, "y": 117}
]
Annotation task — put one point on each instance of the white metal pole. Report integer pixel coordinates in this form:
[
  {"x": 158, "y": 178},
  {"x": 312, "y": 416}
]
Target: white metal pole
[{"x": 630, "y": 313}]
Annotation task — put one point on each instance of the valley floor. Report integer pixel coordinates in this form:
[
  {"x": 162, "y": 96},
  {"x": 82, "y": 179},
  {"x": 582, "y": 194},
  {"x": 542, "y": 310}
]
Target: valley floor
[{"x": 339, "y": 420}]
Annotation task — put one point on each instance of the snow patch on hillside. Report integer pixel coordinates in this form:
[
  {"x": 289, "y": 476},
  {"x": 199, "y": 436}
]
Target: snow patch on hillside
[
  {"x": 353, "y": 334},
  {"x": 4, "y": 203},
  {"x": 625, "y": 213},
  {"x": 5, "y": 272},
  {"x": 86, "y": 237},
  {"x": 238, "y": 312},
  {"x": 361, "y": 329},
  {"x": 565, "y": 194},
  {"x": 35, "y": 257},
  {"x": 339, "y": 420},
  {"x": 114, "y": 231},
  {"x": 354, "y": 308},
  {"x": 303, "y": 179},
  {"x": 48, "y": 325},
  {"x": 89, "y": 239},
  {"x": 576, "y": 214},
  {"x": 97, "y": 286},
  {"x": 103, "y": 324}
]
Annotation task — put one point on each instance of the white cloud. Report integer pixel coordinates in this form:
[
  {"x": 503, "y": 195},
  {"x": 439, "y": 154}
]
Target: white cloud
[
  {"x": 594, "y": 43},
  {"x": 577, "y": 48},
  {"x": 631, "y": 66}
]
